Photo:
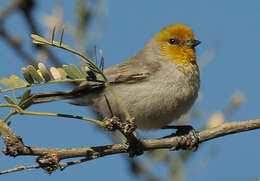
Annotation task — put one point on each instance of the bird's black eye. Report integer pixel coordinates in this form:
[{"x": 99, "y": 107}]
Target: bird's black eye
[{"x": 172, "y": 41}]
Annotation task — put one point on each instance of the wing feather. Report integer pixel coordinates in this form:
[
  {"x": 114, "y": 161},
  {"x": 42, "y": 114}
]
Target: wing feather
[{"x": 131, "y": 71}]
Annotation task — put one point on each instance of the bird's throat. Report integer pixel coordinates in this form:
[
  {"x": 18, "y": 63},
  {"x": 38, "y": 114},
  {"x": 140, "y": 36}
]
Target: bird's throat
[{"x": 180, "y": 54}]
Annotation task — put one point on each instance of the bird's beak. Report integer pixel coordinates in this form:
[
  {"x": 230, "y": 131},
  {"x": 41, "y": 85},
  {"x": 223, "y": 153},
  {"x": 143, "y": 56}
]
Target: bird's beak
[
  {"x": 192, "y": 43},
  {"x": 195, "y": 42}
]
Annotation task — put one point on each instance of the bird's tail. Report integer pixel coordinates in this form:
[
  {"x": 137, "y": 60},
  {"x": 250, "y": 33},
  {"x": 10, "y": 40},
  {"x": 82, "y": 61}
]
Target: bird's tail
[
  {"x": 72, "y": 94},
  {"x": 52, "y": 96}
]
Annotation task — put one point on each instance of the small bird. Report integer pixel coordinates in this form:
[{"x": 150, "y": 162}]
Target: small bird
[{"x": 157, "y": 85}]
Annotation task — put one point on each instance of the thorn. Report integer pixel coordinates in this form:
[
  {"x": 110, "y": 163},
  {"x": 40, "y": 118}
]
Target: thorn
[
  {"x": 109, "y": 106},
  {"x": 61, "y": 36},
  {"x": 53, "y": 34}
]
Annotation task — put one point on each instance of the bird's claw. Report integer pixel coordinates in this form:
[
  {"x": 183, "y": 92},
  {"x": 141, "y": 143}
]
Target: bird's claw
[{"x": 187, "y": 137}]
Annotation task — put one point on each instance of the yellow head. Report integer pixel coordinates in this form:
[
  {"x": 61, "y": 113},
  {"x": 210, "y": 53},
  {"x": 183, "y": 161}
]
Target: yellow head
[{"x": 177, "y": 43}]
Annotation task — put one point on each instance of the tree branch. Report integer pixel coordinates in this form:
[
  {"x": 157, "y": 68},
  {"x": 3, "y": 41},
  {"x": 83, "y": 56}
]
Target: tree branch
[{"x": 49, "y": 158}]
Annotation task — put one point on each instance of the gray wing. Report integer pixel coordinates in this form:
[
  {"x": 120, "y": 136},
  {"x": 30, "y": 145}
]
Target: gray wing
[{"x": 131, "y": 71}]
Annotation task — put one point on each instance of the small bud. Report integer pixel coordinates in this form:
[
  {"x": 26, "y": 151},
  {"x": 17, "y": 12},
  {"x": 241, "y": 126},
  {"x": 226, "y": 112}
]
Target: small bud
[{"x": 215, "y": 120}]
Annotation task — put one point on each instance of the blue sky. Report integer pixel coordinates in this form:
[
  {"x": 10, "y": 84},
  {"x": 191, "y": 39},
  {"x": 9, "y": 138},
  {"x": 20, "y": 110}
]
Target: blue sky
[{"x": 231, "y": 27}]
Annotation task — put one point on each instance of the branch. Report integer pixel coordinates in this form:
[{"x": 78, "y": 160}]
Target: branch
[
  {"x": 48, "y": 158},
  {"x": 19, "y": 168}
]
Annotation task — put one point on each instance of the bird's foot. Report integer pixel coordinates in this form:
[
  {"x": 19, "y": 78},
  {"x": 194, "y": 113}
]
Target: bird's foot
[{"x": 188, "y": 139}]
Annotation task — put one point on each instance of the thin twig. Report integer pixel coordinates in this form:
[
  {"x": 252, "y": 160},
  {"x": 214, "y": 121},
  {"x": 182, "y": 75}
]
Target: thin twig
[
  {"x": 74, "y": 162},
  {"x": 21, "y": 111},
  {"x": 19, "y": 168}
]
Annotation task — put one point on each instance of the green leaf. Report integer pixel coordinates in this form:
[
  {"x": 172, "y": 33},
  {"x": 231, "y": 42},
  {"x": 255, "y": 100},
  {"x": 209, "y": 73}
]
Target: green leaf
[
  {"x": 101, "y": 66},
  {"x": 33, "y": 72},
  {"x": 39, "y": 40},
  {"x": 58, "y": 73},
  {"x": 69, "y": 72},
  {"x": 8, "y": 99},
  {"x": 13, "y": 82},
  {"x": 17, "y": 81},
  {"x": 27, "y": 76},
  {"x": 55, "y": 73},
  {"x": 27, "y": 102},
  {"x": 44, "y": 71},
  {"x": 76, "y": 72},
  {"x": 62, "y": 72},
  {"x": 25, "y": 95},
  {"x": 7, "y": 82}
]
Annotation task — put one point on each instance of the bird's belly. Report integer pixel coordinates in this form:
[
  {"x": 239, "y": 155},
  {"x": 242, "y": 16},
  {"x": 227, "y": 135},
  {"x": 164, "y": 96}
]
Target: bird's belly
[
  {"x": 153, "y": 102},
  {"x": 154, "y": 106},
  {"x": 160, "y": 110}
]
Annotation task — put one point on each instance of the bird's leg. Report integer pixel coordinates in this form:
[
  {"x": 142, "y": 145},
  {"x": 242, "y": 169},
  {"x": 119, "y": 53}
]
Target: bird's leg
[{"x": 189, "y": 139}]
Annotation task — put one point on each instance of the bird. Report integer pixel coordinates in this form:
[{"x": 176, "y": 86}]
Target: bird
[{"x": 157, "y": 85}]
